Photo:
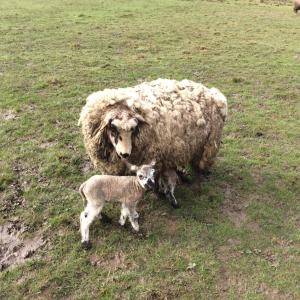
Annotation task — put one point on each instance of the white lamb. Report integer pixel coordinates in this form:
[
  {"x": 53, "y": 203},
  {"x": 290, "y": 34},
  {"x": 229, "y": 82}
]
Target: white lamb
[{"x": 128, "y": 190}]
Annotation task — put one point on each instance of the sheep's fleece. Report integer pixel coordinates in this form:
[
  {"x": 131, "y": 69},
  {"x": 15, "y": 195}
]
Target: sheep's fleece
[{"x": 184, "y": 121}]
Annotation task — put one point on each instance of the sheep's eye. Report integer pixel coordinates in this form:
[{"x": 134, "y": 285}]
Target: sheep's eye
[
  {"x": 113, "y": 128},
  {"x": 141, "y": 176},
  {"x": 120, "y": 138}
]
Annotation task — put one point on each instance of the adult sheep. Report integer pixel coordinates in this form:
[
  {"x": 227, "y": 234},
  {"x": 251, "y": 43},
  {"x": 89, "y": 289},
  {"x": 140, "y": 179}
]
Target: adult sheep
[{"x": 173, "y": 122}]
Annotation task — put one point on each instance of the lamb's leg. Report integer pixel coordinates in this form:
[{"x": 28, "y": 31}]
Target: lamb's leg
[
  {"x": 86, "y": 219},
  {"x": 133, "y": 220},
  {"x": 124, "y": 214},
  {"x": 170, "y": 196}
]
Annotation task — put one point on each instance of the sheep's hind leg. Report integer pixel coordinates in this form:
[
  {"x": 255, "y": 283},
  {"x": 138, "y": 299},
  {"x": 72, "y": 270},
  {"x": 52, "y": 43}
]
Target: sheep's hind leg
[{"x": 86, "y": 219}]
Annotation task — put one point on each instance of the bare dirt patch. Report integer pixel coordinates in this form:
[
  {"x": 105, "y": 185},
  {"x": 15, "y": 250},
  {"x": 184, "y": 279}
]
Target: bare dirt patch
[
  {"x": 112, "y": 262},
  {"x": 14, "y": 248},
  {"x": 234, "y": 206},
  {"x": 86, "y": 167},
  {"x": 47, "y": 144},
  {"x": 7, "y": 115},
  {"x": 13, "y": 197}
]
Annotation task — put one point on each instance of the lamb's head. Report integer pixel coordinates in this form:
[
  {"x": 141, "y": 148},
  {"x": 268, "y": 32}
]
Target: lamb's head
[
  {"x": 121, "y": 127},
  {"x": 145, "y": 174}
]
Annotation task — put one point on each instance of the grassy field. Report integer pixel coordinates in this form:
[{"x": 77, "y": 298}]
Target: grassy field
[{"x": 237, "y": 235}]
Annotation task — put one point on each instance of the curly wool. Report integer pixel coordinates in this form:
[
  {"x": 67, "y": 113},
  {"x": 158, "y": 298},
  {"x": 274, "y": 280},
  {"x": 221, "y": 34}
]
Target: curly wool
[{"x": 184, "y": 122}]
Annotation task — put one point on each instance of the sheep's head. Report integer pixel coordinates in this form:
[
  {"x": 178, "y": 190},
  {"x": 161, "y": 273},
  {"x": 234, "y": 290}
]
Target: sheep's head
[
  {"x": 121, "y": 126},
  {"x": 145, "y": 174}
]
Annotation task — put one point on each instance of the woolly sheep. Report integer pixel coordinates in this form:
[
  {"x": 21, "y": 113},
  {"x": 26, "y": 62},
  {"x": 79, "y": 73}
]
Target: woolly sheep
[
  {"x": 128, "y": 190},
  {"x": 175, "y": 122}
]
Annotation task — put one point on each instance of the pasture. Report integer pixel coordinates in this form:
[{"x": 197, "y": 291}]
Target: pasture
[{"x": 237, "y": 234}]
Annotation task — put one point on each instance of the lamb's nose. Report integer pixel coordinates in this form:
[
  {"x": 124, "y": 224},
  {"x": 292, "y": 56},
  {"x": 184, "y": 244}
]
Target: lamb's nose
[{"x": 124, "y": 155}]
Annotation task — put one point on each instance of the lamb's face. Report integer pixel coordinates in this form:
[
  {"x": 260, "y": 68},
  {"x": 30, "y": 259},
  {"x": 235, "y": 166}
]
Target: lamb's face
[{"x": 145, "y": 176}]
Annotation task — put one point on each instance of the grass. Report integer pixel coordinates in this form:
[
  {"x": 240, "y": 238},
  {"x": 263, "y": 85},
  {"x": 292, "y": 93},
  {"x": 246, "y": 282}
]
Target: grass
[{"x": 238, "y": 229}]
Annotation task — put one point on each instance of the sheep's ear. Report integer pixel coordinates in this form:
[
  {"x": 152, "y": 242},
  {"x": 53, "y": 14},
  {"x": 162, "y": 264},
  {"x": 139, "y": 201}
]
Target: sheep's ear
[
  {"x": 140, "y": 118},
  {"x": 129, "y": 166},
  {"x": 105, "y": 122},
  {"x": 104, "y": 146}
]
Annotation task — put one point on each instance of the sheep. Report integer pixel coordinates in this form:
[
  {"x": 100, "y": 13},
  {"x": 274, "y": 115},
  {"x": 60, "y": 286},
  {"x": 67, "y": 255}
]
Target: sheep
[
  {"x": 175, "y": 122},
  {"x": 128, "y": 190},
  {"x": 296, "y": 5}
]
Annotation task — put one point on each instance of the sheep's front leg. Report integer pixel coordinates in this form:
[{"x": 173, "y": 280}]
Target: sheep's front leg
[{"x": 86, "y": 219}]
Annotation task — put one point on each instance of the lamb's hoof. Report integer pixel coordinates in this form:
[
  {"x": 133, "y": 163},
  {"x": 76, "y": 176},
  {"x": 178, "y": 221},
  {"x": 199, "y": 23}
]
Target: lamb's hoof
[
  {"x": 175, "y": 205},
  {"x": 86, "y": 245},
  {"x": 105, "y": 219},
  {"x": 142, "y": 234}
]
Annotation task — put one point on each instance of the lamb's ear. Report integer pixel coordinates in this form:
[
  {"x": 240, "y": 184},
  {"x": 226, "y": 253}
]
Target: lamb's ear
[{"x": 129, "y": 166}]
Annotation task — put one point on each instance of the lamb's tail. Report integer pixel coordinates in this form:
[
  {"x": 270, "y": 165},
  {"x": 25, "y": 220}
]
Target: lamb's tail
[{"x": 82, "y": 194}]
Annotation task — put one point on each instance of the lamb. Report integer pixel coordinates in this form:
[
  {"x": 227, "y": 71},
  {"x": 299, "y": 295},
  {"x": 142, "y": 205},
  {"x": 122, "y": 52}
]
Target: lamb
[
  {"x": 176, "y": 122},
  {"x": 296, "y": 5},
  {"x": 128, "y": 190}
]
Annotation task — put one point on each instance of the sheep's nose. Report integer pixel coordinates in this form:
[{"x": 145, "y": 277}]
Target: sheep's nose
[{"x": 124, "y": 155}]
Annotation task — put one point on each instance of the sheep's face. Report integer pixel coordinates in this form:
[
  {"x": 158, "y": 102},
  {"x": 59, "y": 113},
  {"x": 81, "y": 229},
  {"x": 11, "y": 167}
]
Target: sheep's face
[
  {"x": 145, "y": 176},
  {"x": 122, "y": 138},
  {"x": 121, "y": 130}
]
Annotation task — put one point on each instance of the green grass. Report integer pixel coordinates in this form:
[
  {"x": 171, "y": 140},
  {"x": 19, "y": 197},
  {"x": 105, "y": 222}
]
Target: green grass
[{"x": 240, "y": 226}]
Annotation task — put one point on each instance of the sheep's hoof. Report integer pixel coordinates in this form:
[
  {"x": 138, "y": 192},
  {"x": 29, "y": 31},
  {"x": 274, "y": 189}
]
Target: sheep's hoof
[{"x": 86, "y": 245}]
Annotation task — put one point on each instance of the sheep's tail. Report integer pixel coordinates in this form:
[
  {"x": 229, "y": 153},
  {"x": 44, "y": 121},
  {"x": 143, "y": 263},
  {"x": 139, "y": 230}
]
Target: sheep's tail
[{"x": 82, "y": 194}]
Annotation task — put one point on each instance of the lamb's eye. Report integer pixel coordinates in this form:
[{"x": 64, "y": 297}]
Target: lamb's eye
[
  {"x": 120, "y": 138},
  {"x": 141, "y": 176}
]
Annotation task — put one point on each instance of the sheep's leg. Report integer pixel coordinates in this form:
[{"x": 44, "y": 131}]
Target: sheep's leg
[
  {"x": 86, "y": 219},
  {"x": 124, "y": 214},
  {"x": 133, "y": 220}
]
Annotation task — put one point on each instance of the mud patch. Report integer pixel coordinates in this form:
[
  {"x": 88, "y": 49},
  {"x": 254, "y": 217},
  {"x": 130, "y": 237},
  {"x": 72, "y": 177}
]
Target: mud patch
[
  {"x": 7, "y": 115},
  {"x": 13, "y": 197},
  {"x": 15, "y": 249},
  {"x": 113, "y": 262},
  {"x": 234, "y": 207}
]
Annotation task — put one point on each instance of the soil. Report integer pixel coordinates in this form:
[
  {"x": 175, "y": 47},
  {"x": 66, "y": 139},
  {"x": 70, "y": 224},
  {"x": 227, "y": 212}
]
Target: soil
[
  {"x": 234, "y": 207},
  {"x": 7, "y": 115},
  {"x": 14, "y": 247}
]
